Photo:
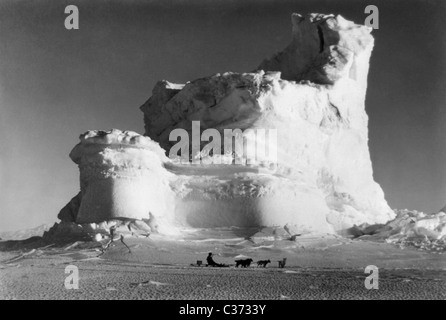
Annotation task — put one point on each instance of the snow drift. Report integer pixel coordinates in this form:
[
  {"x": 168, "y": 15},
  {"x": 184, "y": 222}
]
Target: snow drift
[{"x": 408, "y": 229}]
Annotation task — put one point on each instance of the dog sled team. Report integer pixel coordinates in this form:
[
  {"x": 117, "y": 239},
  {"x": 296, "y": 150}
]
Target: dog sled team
[{"x": 243, "y": 262}]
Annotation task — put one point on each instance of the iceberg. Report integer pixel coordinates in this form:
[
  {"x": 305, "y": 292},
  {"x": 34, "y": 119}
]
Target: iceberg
[{"x": 311, "y": 94}]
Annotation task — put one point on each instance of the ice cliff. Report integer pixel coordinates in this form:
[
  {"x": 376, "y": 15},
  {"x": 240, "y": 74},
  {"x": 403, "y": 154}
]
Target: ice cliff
[
  {"x": 312, "y": 93},
  {"x": 121, "y": 176}
]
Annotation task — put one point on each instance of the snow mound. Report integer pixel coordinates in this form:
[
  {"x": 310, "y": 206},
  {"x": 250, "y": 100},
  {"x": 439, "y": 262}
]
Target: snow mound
[
  {"x": 71, "y": 231},
  {"x": 410, "y": 228}
]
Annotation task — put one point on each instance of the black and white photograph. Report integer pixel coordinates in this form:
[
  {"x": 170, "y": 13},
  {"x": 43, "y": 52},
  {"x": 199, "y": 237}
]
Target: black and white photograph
[{"x": 222, "y": 153}]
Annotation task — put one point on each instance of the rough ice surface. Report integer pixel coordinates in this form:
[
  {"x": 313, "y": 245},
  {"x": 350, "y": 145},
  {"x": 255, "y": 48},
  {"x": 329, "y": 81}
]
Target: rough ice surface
[
  {"x": 409, "y": 228},
  {"x": 121, "y": 176},
  {"x": 313, "y": 93}
]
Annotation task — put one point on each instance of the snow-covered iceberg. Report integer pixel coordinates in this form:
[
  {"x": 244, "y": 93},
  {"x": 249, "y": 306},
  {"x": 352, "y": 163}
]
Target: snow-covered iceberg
[{"x": 312, "y": 94}]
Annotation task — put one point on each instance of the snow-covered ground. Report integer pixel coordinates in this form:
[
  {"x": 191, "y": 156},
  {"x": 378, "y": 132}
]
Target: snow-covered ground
[
  {"x": 321, "y": 266},
  {"x": 409, "y": 229}
]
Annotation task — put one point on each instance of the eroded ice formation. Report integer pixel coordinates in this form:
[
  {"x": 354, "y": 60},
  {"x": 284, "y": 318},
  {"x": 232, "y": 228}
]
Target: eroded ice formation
[
  {"x": 312, "y": 93},
  {"x": 121, "y": 176}
]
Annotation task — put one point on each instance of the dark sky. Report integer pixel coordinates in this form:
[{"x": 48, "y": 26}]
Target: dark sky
[{"x": 55, "y": 84}]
